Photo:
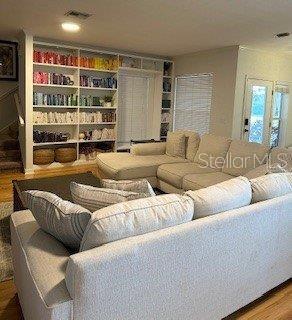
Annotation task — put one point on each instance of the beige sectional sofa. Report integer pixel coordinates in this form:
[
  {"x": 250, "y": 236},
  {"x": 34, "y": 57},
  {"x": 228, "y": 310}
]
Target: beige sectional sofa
[{"x": 207, "y": 161}]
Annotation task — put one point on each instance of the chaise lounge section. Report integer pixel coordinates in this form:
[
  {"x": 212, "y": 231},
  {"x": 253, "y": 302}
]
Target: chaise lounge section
[{"x": 206, "y": 161}]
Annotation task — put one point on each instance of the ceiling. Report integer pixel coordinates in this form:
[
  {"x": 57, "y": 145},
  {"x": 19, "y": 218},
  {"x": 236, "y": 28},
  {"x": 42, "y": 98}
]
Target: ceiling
[{"x": 160, "y": 27}]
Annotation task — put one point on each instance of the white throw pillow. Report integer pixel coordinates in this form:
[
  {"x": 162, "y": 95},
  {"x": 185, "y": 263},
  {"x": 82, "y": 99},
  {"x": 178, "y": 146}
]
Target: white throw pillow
[
  {"x": 140, "y": 186},
  {"x": 93, "y": 198},
  {"x": 136, "y": 217},
  {"x": 224, "y": 196},
  {"x": 62, "y": 219},
  {"x": 271, "y": 186}
]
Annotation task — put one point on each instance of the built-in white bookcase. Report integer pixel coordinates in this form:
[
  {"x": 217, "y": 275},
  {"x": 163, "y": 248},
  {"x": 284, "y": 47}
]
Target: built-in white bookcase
[{"x": 34, "y": 95}]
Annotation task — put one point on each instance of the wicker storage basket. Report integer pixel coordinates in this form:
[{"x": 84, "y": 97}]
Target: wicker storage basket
[
  {"x": 64, "y": 155},
  {"x": 43, "y": 156}
]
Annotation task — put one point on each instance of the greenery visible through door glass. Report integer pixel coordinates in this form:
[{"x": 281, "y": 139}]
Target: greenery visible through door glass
[{"x": 258, "y": 108}]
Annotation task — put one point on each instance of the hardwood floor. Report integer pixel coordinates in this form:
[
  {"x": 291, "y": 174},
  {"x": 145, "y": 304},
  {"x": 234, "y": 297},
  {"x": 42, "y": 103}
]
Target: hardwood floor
[{"x": 275, "y": 305}]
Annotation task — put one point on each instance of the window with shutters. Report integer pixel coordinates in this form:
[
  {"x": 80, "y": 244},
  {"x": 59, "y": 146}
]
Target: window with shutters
[
  {"x": 193, "y": 97},
  {"x": 135, "y": 108}
]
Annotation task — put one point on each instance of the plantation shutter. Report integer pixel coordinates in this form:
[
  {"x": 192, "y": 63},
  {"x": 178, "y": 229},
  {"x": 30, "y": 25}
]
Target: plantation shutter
[
  {"x": 132, "y": 109},
  {"x": 193, "y": 97}
]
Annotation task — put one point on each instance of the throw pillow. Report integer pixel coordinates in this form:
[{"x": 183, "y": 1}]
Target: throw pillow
[
  {"x": 93, "y": 198},
  {"x": 224, "y": 196},
  {"x": 271, "y": 186},
  {"x": 140, "y": 186},
  {"x": 136, "y": 217},
  {"x": 176, "y": 144},
  {"x": 62, "y": 219}
]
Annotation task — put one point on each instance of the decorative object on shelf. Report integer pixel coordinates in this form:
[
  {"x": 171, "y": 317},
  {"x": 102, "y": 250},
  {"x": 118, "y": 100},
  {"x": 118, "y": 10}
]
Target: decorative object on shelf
[
  {"x": 40, "y": 117},
  {"x": 107, "y": 101},
  {"x": 167, "y": 68},
  {"x": 166, "y": 85},
  {"x": 50, "y": 57},
  {"x": 164, "y": 129},
  {"x": 165, "y": 117},
  {"x": 47, "y": 136},
  {"x": 130, "y": 62},
  {"x": 44, "y": 99},
  {"x": 98, "y": 134},
  {"x": 96, "y": 117},
  {"x": 52, "y": 78},
  {"x": 65, "y": 155},
  {"x": 166, "y": 103},
  {"x": 43, "y": 156},
  {"x": 8, "y": 61},
  {"x": 90, "y": 101},
  {"x": 99, "y": 63},
  {"x": 98, "y": 82}
]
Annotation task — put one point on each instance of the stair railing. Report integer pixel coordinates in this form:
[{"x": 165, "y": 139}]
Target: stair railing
[{"x": 19, "y": 109}]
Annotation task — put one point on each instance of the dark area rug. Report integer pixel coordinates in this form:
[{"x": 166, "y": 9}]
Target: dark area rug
[{"x": 6, "y": 270}]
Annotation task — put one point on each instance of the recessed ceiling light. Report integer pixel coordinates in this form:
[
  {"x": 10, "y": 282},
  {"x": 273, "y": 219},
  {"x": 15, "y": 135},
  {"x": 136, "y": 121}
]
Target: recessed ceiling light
[
  {"x": 70, "y": 26},
  {"x": 283, "y": 34}
]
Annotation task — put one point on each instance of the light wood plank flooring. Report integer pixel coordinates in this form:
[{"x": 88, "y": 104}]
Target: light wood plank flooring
[{"x": 276, "y": 305}]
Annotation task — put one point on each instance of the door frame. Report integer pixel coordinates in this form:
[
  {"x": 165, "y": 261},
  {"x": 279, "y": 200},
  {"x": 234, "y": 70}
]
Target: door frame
[{"x": 247, "y": 106}]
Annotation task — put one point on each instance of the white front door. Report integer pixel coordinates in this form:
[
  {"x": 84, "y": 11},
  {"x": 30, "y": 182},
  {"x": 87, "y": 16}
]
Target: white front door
[{"x": 258, "y": 107}]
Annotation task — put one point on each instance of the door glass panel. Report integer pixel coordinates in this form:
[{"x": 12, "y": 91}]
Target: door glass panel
[
  {"x": 276, "y": 117},
  {"x": 275, "y": 133},
  {"x": 258, "y": 109},
  {"x": 277, "y": 105}
]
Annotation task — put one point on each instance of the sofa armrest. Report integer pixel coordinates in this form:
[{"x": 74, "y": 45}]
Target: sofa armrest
[{"x": 147, "y": 149}]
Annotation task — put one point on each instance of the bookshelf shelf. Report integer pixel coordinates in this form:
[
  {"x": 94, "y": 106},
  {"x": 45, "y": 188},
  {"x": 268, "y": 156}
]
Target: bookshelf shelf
[
  {"x": 54, "y": 86},
  {"x": 38, "y": 64},
  {"x": 55, "y": 124},
  {"x": 55, "y": 143},
  {"x": 54, "y": 107},
  {"x": 98, "y": 70},
  {"x": 97, "y": 123},
  {"x": 98, "y": 88}
]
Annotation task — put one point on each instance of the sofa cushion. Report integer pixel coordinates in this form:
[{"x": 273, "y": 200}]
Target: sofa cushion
[
  {"x": 40, "y": 263},
  {"x": 93, "y": 198},
  {"x": 202, "y": 180},
  {"x": 176, "y": 144},
  {"x": 173, "y": 173},
  {"x": 192, "y": 143},
  {"x": 139, "y": 186},
  {"x": 282, "y": 157},
  {"x": 224, "y": 196},
  {"x": 212, "y": 151},
  {"x": 120, "y": 166},
  {"x": 271, "y": 186},
  {"x": 136, "y": 217},
  {"x": 244, "y": 156},
  {"x": 62, "y": 219}
]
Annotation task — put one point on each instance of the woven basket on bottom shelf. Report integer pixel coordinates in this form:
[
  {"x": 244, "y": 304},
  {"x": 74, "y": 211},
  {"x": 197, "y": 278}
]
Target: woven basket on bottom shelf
[
  {"x": 43, "y": 156},
  {"x": 64, "y": 155}
]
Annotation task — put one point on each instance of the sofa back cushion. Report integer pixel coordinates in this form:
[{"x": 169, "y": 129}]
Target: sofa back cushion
[
  {"x": 281, "y": 157},
  {"x": 176, "y": 144},
  {"x": 136, "y": 217},
  {"x": 62, "y": 219},
  {"x": 271, "y": 186},
  {"x": 139, "y": 186},
  {"x": 93, "y": 198},
  {"x": 212, "y": 151},
  {"x": 224, "y": 196},
  {"x": 244, "y": 156},
  {"x": 192, "y": 143}
]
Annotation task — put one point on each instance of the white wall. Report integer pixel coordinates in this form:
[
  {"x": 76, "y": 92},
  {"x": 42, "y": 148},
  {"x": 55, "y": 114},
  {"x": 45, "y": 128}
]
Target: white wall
[
  {"x": 264, "y": 65},
  {"x": 8, "y": 112},
  {"x": 223, "y": 64}
]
